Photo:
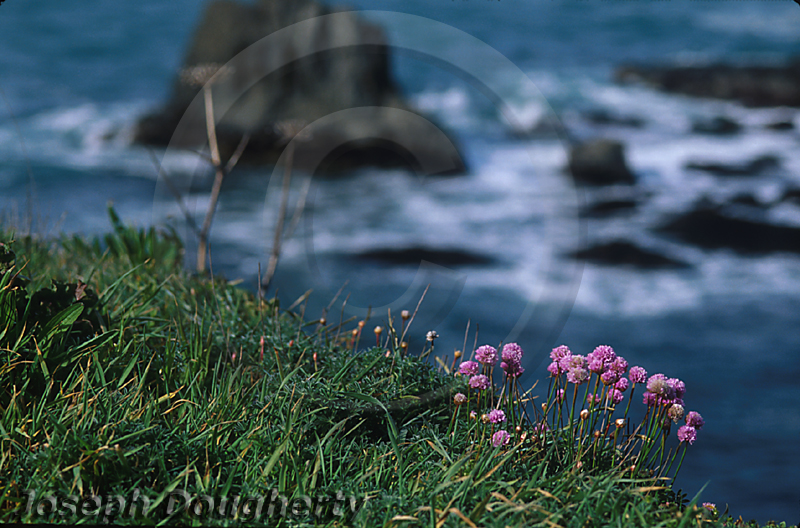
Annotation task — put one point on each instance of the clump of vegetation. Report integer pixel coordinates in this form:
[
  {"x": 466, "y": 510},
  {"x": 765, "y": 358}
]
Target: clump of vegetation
[{"x": 136, "y": 393}]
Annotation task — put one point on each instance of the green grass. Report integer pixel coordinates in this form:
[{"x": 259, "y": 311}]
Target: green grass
[{"x": 149, "y": 383}]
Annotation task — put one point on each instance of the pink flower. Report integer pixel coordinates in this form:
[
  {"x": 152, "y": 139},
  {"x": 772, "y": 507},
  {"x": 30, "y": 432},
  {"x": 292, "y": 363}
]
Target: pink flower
[
  {"x": 687, "y": 433},
  {"x": 649, "y": 399},
  {"x": 514, "y": 369},
  {"x": 572, "y": 362},
  {"x": 622, "y": 384},
  {"x": 694, "y": 419},
  {"x": 497, "y": 416},
  {"x": 619, "y": 365},
  {"x": 459, "y": 398},
  {"x": 577, "y": 375},
  {"x": 512, "y": 353},
  {"x": 638, "y": 375},
  {"x": 560, "y": 395},
  {"x": 615, "y": 396},
  {"x": 479, "y": 382},
  {"x": 678, "y": 386},
  {"x": 601, "y": 358},
  {"x": 554, "y": 369},
  {"x": 560, "y": 353},
  {"x": 592, "y": 398},
  {"x": 487, "y": 355},
  {"x": 610, "y": 377},
  {"x": 500, "y": 438},
  {"x": 469, "y": 368}
]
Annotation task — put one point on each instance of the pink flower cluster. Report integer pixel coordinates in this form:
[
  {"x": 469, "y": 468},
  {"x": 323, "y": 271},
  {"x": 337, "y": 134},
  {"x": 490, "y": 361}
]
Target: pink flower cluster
[
  {"x": 602, "y": 361},
  {"x": 486, "y": 355}
]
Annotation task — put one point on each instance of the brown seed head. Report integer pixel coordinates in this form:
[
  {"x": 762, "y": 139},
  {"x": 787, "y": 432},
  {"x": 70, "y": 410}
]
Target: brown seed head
[
  {"x": 584, "y": 414},
  {"x": 457, "y": 354},
  {"x": 405, "y": 315},
  {"x": 378, "y": 330}
]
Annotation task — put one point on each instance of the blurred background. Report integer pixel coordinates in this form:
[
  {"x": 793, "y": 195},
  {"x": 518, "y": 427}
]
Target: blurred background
[{"x": 675, "y": 240}]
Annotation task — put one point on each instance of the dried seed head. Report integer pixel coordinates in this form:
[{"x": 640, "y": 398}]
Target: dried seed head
[
  {"x": 405, "y": 315},
  {"x": 457, "y": 354},
  {"x": 485, "y": 418},
  {"x": 620, "y": 422},
  {"x": 404, "y": 345},
  {"x": 597, "y": 434},
  {"x": 544, "y": 407},
  {"x": 322, "y": 321},
  {"x": 378, "y": 330},
  {"x": 431, "y": 336},
  {"x": 201, "y": 74},
  {"x": 584, "y": 414},
  {"x": 361, "y": 324},
  {"x": 518, "y": 429}
]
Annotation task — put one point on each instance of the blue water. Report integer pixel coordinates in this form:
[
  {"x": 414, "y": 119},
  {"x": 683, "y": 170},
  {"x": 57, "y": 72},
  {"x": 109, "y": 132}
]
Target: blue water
[{"x": 73, "y": 80}]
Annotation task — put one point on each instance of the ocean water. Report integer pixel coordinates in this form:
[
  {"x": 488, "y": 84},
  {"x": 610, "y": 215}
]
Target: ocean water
[{"x": 73, "y": 80}]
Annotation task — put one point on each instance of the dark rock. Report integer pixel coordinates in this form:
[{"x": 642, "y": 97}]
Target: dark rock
[
  {"x": 600, "y": 162},
  {"x": 755, "y": 86},
  {"x": 747, "y": 200},
  {"x": 609, "y": 207},
  {"x": 755, "y": 167},
  {"x": 623, "y": 253},
  {"x": 331, "y": 62},
  {"x": 718, "y": 126},
  {"x": 780, "y": 125},
  {"x": 791, "y": 196},
  {"x": 604, "y": 117},
  {"x": 712, "y": 228},
  {"x": 412, "y": 256}
]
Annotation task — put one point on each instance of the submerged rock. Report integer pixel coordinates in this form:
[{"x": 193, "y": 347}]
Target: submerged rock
[
  {"x": 717, "y": 126},
  {"x": 604, "y": 117},
  {"x": 333, "y": 61},
  {"x": 755, "y": 167},
  {"x": 412, "y": 256},
  {"x": 609, "y": 207},
  {"x": 712, "y": 227},
  {"x": 755, "y": 86},
  {"x": 624, "y": 253},
  {"x": 600, "y": 162}
]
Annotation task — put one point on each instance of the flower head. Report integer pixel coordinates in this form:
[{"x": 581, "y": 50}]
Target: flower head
[
  {"x": 678, "y": 386},
  {"x": 479, "y": 382},
  {"x": 459, "y": 398},
  {"x": 497, "y": 416},
  {"x": 609, "y": 377},
  {"x": 560, "y": 395},
  {"x": 687, "y": 433},
  {"x": 637, "y": 375},
  {"x": 621, "y": 385},
  {"x": 469, "y": 368},
  {"x": 512, "y": 369},
  {"x": 619, "y": 365},
  {"x": 615, "y": 396},
  {"x": 512, "y": 353},
  {"x": 675, "y": 412},
  {"x": 577, "y": 375},
  {"x": 601, "y": 358},
  {"x": 572, "y": 362},
  {"x": 486, "y": 354},
  {"x": 500, "y": 438},
  {"x": 560, "y": 352},
  {"x": 695, "y": 420},
  {"x": 554, "y": 369}
]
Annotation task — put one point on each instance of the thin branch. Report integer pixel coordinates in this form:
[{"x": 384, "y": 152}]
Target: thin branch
[{"x": 276, "y": 244}]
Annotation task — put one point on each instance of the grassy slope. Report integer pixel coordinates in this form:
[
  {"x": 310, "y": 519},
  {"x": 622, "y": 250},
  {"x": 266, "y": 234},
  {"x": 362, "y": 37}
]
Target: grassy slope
[{"x": 160, "y": 386}]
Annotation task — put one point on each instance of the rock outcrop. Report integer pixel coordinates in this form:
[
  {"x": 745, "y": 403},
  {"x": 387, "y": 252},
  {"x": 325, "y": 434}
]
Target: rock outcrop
[
  {"x": 755, "y": 86},
  {"x": 754, "y": 167},
  {"x": 715, "y": 227},
  {"x": 624, "y": 253},
  {"x": 329, "y": 63},
  {"x": 600, "y": 162},
  {"x": 412, "y": 256}
]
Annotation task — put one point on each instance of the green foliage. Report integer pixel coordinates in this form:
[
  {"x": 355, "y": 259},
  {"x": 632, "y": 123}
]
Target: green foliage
[{"x": 123, "y": 374}]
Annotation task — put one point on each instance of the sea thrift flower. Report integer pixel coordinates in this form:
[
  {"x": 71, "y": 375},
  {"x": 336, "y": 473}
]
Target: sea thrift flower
[
  {"x": 601, "y": 359},
  {"x": 592, "y": 398},
  {"x": 459, "y": 398},
  {"x": 560, "y": 353},
  {"x": 479, "y": 382},
  {"x": 637, "y": 375},
  {"x": 500, "y": 438},
  {"x": 560, "y": 395},
  {"x": 514, "y": 369},
  {"x": 469, "y": 368},
  {"x": 621, "y": 385},
  {"x": 577, "y": 375},
  {"x": 694, "y": 419},
  {"x": 620, "y": 366},
  {"x": 497, "y": 416},
  {"x": 473, "y": 415},
  {"x": 554, "y": 369},
  {"x": 687, "y": 433},
  {"x": 609, "y": 377},
  {"x": 649, "y": 399},
  {"x": 675, "y": 412},
  {"x": 487, "y": 355},
  {"x": 572, "y": 362},
  {"x": 657, "y": 384},
  {"x": 615, "y": 396},
  {"x": 678, "y": 386},
  {"x": 512, "y": 353}
]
